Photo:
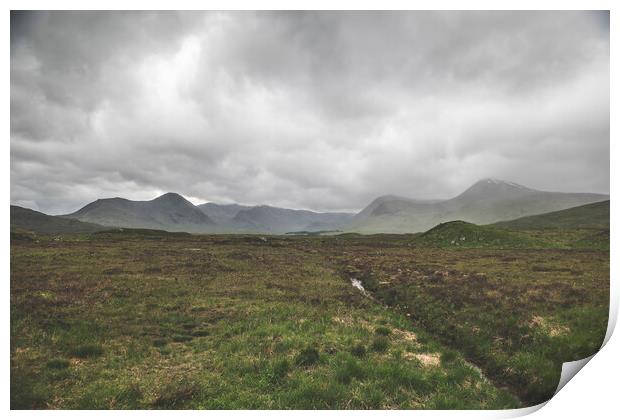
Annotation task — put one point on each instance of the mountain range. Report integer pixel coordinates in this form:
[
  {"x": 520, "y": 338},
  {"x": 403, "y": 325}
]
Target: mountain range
[
  {"x": 268, "y": 219},
  {"x": 169, "y": 212},
  {"x": 487, "y": 201}
]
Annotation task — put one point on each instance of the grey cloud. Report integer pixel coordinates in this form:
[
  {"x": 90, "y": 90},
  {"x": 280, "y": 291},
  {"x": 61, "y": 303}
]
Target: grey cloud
[{"x": 319, "y": 110}]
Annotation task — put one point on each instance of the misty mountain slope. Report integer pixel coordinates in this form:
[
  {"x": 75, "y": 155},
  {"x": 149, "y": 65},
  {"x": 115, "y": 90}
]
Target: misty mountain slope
[
  {"x": 383, "y": 203},
  {"x": 169, "y": 212},
  {"x": 590, "y": 216},
  {"x": 279, "y": 220},
  {"x": 221, "y": 214},
  {"x": 37, "y": 222},
  {"x": 485, "y": 202}
]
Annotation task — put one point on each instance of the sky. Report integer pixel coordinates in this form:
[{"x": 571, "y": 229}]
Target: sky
[{"x": 315, "y": 110}]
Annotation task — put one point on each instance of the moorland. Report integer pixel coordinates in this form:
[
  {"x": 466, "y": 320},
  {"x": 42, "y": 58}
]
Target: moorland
[{"x": 460, "y": 316}]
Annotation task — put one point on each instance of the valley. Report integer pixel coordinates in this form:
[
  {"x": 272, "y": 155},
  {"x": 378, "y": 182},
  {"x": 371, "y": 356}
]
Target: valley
[
  {"x": 462, "y": 316},
  {"x": 308, "y": 209},
  {"x": 128, "y": 304}
]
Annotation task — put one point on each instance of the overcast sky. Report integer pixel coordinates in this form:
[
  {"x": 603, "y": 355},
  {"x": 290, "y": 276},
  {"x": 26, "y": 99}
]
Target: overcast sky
[{"x": 321, "y": 110}]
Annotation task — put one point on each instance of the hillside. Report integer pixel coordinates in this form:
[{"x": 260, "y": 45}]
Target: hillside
[
  {"x": 169, "y": 212},
  {"x": 468, "y": 235},
  {"x": 221, "y": 214},
  {"x": 23, "y": 219},
  {"x": 589, "y": 216},
  {"x": 487, "y": 201},
  {"x": 279, "y": 220},
  {"x": 273, "y": 220}
]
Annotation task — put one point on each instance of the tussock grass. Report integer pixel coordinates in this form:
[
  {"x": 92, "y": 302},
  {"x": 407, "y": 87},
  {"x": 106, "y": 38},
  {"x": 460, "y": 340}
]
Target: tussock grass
[
  {"x": 307, "y": 357},
  {"x": 86, "y": 351},
  {"x": 57, "y": 364},
  {"x": 380, "y": 344}
]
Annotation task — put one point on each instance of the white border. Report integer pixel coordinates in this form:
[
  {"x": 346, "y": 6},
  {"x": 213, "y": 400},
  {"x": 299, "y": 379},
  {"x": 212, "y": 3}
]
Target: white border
[{"x": 592, "y": 393}]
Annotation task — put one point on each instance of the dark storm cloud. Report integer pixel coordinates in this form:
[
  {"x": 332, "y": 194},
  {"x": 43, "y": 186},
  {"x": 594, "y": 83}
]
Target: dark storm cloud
[{"x": 320, "y": 110}]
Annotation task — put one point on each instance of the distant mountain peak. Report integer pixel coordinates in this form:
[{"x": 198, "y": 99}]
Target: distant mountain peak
[
  {"x": 493, "y": 187},
  {"x": 170, "y": 196},
  {"x": 496, "y": 181},
  {"x": 489, "y": 200}
]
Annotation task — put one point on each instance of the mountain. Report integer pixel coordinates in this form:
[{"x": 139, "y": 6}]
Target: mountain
[
  {"x": 33, "y": 221},
  {"x": 274, "y": 220},
  {"x": 487, "y": 201},
  {"x": 222, "y": 214},
  {"x": 279, "y": 220},
  {"x": 390, "y": 204},
  {"x": 172, "y": 212},
  {"x": 169, "y": 212},
  {"x": 590, "y": 216}
]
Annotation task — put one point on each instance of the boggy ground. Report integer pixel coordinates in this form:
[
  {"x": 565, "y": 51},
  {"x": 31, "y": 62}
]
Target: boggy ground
[
  {"x": 517, "y": 316},
  {"x": 138, "y": 320}
]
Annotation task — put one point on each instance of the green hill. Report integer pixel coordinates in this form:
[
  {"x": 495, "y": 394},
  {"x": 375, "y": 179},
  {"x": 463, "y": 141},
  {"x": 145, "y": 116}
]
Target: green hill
[
  {"x": 590, "y": 216},
  {"x": 469, "y": 235},
  {"x": 24, "y": 220}
]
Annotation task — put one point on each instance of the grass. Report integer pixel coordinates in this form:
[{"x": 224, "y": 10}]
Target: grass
[
  {"x": 57, "y": 364},
  {"x": 590, "y": 216},
  {"x": 125, "y": 320},
  {"x": 176, "y": 394},
  {"x": 380, "y": 344},
  {"x": 87, "y": 350},
  {"x": 358, "y": 350},
  {"x": 518, "y": 315},
  {"x": 382, "y": 331},
  {"x": 307, "y": 357},
  {"x": 468, "y": 235}
]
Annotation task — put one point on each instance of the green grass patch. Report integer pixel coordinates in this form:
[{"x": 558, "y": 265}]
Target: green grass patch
[
  {"x": 307, "y": 357},
  {"x": 86, "y": 351},
  {"x": 57, "y": 364},
  {"x": 380, "y": 344}
]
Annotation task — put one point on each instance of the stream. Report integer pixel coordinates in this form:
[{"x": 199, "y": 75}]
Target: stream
[{"x": 359, "y": 286}]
